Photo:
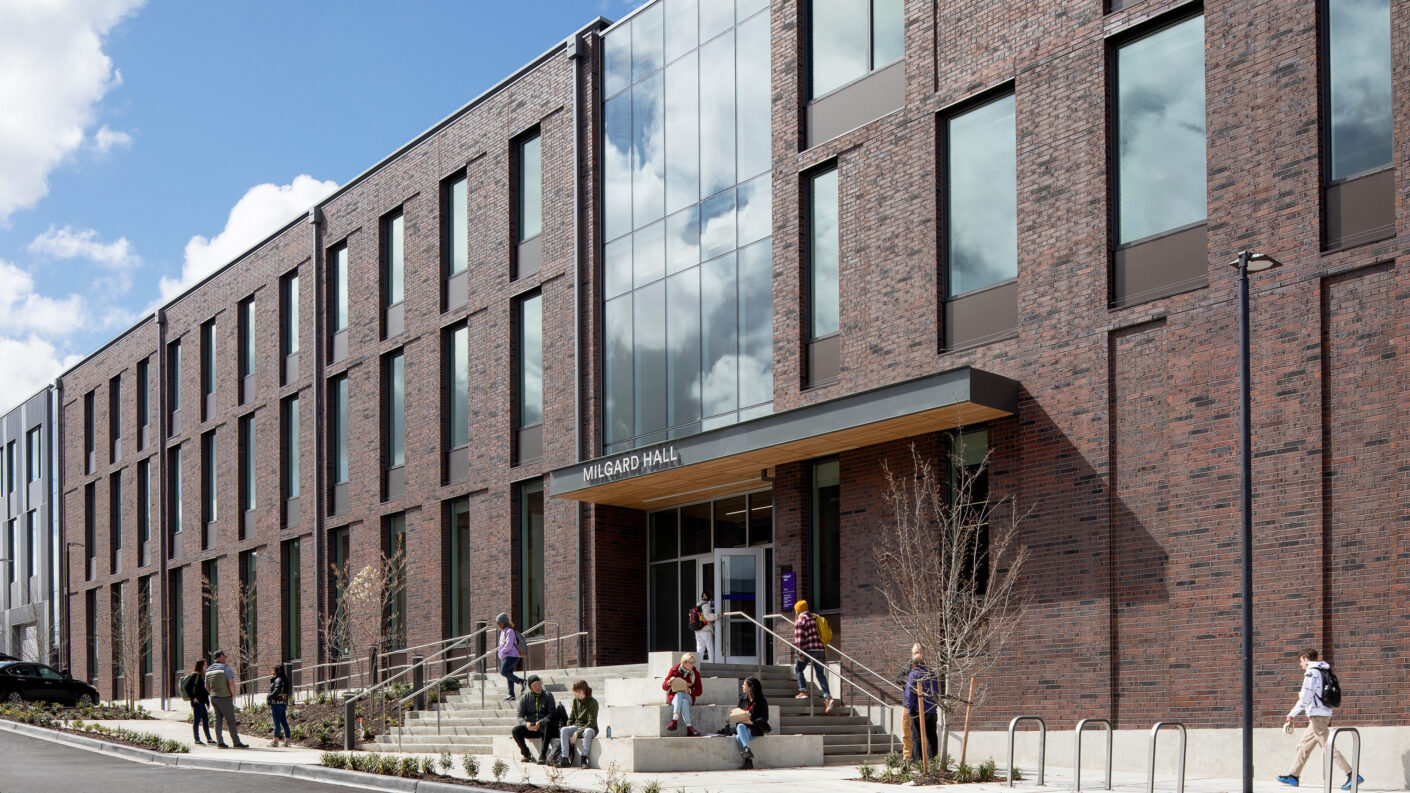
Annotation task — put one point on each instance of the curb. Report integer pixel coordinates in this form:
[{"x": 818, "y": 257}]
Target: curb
[{"x": 313, "y": 773}]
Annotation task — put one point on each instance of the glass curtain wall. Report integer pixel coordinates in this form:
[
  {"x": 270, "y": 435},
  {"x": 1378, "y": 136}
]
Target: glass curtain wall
[{"x": 687, "y": 284}]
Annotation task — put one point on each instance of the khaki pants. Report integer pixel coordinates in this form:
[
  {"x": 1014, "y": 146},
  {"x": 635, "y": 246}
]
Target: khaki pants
[
  {"x": 906, "y": 736},
  {"x": 1316, "y": 735}
]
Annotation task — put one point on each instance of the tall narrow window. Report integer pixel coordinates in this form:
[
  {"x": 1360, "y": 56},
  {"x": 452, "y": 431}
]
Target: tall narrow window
[
  {"x": 456, "y": 233},
  {"x": 9, "y": 552},
  {"x": 458, "y": 527},
  {"x": 143, "y": 400},
  {"x": 90, "y": 530},
  {"x": 981, "y": 229},
  {"x": 89, "y": 432},
  {"x": 115, "y": 418},
  {"x": 117, "y": 638},
  {"x": 176, "y": 607},
  {"x": 289, "y": 461},
  {"x": 246, "y": 353},
  {"x": 249, "y": 609},
  {"x": 394, "y": 563},
  {"x": 144, "y": 625},
  {"x": 825, "y": 582},
  {"x": 969, "y": 493},
  {"x": 173, "y": 490},
  {"x": 173, "y": 385},
  {"x": 31, "y": 545},
  {"x": 246, "y": 474},
  {"x": 289, "y": 326},
  {"x": 209, "y": 491},
  {"x": 34, "y": 456},
  {"x": 115, "y": 513},
  {"x": 395, "y": 373},
  {"x": 208, "y": 378},
  {"x": 144, "y": 511},
  {"x": 90, "y": 626},
  {"x": 528, "y": 193},
  {"x": 853, "y": 37},
  {"x": 291, "y": 600},
  {"x": 530, "y": 378},
  {"x": 339, "y": 428},
  {"x": 210, "y": 607},
  {"x": 1161, "y": 204},
  {"x": 1358, "y": 131},
  {"x": 10, "y": 475},
  {"x": 824, "y": 254},
  {"x": 340, "y": 644},
  {"x": 458, "y": 387},
  {"x": 531, "y": 554},
  {"x": 393, "y": 275},
  {"x": 338, "y": 302}
]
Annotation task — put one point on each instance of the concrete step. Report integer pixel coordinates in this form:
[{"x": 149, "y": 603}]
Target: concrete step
[
  {"x": 432, "y": 731},
  {"x": 875, "y": 759}
]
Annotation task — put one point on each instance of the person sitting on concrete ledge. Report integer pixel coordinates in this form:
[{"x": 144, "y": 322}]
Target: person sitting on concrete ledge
[
  {"x": 536, "y": 720},
  {"x": 581, "y": 726},
  {"x": 753, "y": 721},
  {"x": 682, "y": 686}
]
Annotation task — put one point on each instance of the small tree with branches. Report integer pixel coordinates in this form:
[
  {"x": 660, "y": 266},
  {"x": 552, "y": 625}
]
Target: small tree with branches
[
  {"x": 948, "y": 564},
  {"x": 367, "y": 606}
]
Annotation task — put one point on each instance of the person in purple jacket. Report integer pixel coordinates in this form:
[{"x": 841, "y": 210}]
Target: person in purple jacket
[
  {"x": 509, "y": 655},
  {"x": 922, "y": 703}
]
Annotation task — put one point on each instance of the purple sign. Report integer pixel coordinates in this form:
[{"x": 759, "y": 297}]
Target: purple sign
[{"x": 789, "y": 587}]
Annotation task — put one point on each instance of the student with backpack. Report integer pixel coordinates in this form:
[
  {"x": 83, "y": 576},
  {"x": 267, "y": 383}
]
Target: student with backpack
[
  {"x": 701, "y": 622},
  {"x": 1320, "y": 693},
  {"x": 811, "y": 634},
  {"x": 278, "y": 700},
  {"x": 511, "y": 651},
  {"x": 193, "y": 690}
]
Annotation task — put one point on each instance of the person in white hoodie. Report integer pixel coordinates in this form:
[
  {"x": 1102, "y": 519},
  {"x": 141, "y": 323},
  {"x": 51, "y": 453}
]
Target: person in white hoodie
[
  {"x": 1319, "y": 719},
  {"x": 704, "y": 612}
]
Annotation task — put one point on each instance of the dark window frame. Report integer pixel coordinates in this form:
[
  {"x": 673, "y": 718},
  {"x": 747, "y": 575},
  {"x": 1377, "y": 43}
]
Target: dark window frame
[{"x": 872, "y": 67}]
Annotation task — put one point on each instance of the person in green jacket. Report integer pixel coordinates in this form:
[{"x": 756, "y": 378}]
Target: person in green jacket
[{"x": 582, "y": 723}]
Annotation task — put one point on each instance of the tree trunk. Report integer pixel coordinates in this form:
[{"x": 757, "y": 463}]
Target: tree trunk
[{"x": 944, "y": 715}]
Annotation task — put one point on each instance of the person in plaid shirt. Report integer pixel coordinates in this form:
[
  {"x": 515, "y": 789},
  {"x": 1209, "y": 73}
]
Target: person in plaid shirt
[{"x": 805, "y": 635}]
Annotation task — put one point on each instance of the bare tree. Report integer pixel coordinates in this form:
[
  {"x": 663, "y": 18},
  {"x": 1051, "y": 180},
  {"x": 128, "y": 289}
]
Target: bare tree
[
  {"x": 367, "y": 609},
  {"x": 131, "y": 639},
  {"x": 947, "y": 565}
]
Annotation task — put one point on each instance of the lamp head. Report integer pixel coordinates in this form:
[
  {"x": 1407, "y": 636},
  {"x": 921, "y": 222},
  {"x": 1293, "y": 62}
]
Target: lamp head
[{"x": 1255, "y": 262}]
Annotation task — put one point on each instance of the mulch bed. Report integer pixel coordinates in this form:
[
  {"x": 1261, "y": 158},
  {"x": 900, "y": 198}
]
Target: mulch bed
[{"x": 314, "y": 725}]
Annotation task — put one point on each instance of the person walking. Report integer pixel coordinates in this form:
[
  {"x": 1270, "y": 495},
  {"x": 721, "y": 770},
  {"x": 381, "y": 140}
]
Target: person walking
[
  {"x": 220, "y": 682},
  {"x": 922, "y": 705},
  {"x": 701, "y": 622},
  {"x": 1319, "y": 718},
  {"x": 536, "y": 720},
  {"x": 194, "y": 687},
  {"x": 581, "y": 726},
  {"x": 278, "y": 700},
  {"x": 682, "y": 686},
  {"x": 811, "y": 650},
  {"x": 509, "y": 652},
  {"x": 755, "y": 721}
]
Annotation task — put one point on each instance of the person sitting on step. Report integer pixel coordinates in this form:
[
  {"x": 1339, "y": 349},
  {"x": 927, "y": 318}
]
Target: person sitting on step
[
  {"x": 753, "y": 721},
  {"x": 536, "y": 720},
  {"x": 682, "y": 686},
  {"x": 581, "y": 726}
]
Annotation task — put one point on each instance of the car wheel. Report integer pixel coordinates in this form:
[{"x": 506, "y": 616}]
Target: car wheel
[
  {"x": 85, "y": 700},
  {"x": 14, "y": 698}
]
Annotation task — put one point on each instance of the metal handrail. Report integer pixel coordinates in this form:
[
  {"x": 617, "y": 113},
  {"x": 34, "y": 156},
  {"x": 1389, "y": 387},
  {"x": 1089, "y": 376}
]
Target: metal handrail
[
  {"x": 1077, "y": 760},
  {"x": 1155, "y": 731},
  {"x": 1355, "y": 759},
  {"x": 1042, "y": 744},
  {"x": 889, "y": 709},
  {"x": 887, "y": 681},
  {"x": 401, "y": 705}
]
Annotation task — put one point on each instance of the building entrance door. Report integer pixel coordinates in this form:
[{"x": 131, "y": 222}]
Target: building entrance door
[{"x": 739, "y": 580}]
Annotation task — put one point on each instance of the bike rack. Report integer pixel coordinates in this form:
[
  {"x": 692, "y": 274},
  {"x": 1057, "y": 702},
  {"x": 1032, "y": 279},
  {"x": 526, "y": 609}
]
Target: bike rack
[
  {"x": 1077, "y": 760},
  {"x": 1355, "y": 758},
  {"x": 1042, "y": 744},
  {"x": 1155, "y": 731}
]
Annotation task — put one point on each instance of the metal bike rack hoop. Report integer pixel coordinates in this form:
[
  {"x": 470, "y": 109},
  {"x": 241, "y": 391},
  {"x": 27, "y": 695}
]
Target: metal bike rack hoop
[
  {"x": 1155, "y": 731},
  {"x": 1042, "y": 744},
  {"x": 1077, "y": 760},
  {"x": 1355, "y": 759}
]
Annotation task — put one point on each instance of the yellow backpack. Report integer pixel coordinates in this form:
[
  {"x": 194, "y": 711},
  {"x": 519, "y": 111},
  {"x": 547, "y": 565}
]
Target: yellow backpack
[{"x": 824, "y": 630}]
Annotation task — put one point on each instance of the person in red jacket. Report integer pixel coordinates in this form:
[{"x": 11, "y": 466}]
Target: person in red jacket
[{"x": 682, "y": 687}]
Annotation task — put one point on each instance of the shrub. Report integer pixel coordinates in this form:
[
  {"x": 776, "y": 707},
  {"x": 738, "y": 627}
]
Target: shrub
[
  {"x": 408, "y": 767},
  {"x": 471, "y": 765},
  {"x": 1017, "y": 775},
  {"x": 654, "y": 786},
  {"x": 964, "y": 773},
  {"x": 445, "y": 763},
  {"x": 427, "y": 766},
  {"x": 333, "y": 760},
  {"x": 499, "y": 769},
  {"x": 388, "y": 765},
  {"x": 985, "y": 772},
  {"x": 868, "y": 773},
  {"x": 894, "y": 760}
]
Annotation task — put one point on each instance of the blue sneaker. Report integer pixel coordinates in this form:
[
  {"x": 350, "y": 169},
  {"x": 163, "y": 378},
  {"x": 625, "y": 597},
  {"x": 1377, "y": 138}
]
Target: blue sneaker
[
  {"x": 1359, "y": 780},
  {"x": 1288, "y": 779}
]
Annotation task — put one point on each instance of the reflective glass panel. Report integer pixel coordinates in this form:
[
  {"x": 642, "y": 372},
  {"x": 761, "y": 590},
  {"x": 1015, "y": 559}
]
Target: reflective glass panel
[
  {"x": 617, "y": 267},
  {"x": 396, "y": 277},
  {"x": 888, "y": 32},
  {"x": 530, "y": 188},
  {"x": 839, "y": 43},
  {"x": 752, "y": 82},
  {"x": 683, "y": 346},
  {"x": 1160, "y": 131},
  {"x": 649, "y": 254},
  {"x": 531, "y": 361},
  {"x": 617, "y": 59},
  {"x": 823, "y": 254},
  {"x": 396, "y": 411},
  {"x": 458, "y": 232},
  {"x": 756, "y": 330},
  {"x": 620, "y": 407},
  {"x": 649, "y": 339},
  {"x": 340, "y": 291},
  {"x": 648, "y": 151},
  {"x": 717, "y": 123},
  {"x": 754, "y": 215},
  {"x": 732, "y": 522},
  {"x": 459, "y": 396},
  {"x": 717, "y": 234},
  {"x": 1359, "y": 72},
  {"x": 695, "y": 529},
  {"x": 716, "y": 16},
  {"x": 682, "y": 27},
  {"x": 682, "y": 133},
  {"x": 982, "y": 197},
  {"x": 720, "y": 332},
  {"x": 683, "y": 240},
  {"x": 340, "y": 429},
  {"x": 617, "y": 167},
  {"x": 646, "y": 41}
]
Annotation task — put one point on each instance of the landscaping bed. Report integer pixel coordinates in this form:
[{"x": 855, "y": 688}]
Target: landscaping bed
[
  {"x": 65, "y": 720},
  {"x": 897, "y": 771},
  {"x": 436, "y": 769}
]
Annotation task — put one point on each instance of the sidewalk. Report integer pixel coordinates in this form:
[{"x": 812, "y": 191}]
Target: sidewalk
[{"x": 828, "y": 779}]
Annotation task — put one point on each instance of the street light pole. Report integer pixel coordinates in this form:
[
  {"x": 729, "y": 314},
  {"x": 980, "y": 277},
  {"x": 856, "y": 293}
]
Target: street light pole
[{"x": 1246, "y": 263}]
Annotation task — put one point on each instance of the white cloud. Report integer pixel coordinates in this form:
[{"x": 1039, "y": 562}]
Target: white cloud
[
  {"x": 260, "y": 212},
  {"x": 71, "y": 243},
  {"x": 105, "y": 140},
  {"x": 30, "y": 364},
  {"x": 22, "y": 310},
  {"x": 53, "y": 72}
]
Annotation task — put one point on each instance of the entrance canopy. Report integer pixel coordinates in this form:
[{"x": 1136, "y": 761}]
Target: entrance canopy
[{"x": 739, "y": 457}]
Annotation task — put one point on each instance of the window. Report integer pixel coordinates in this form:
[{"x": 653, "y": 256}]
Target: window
[
  {"x": 289, "y": 314},
  {"x": 981, "y": 196},
  {"x": 530, "y": 375},
  {"x": 249, "y": 609},
  {"x": 289, "y": 447},
  {"x": 339, "y": 429},
  {"x": 10, "y": 467},
  {"x": 1358, "y": 136},
  {"x": 31, "y": 544},
  {"x": 144, "y": 517},
  {"x": 210, "y": 607},
  {"x": 969, "y": 492},
  {"x": 394, "y": 551},
  {"x": 247, "y": 463},
  {"x": 393, "y": 261},
  {"x": 173, "y": 383},
  {"x": 455, "y": 234},
  {"x": 174, "y": 490},
  {"x": 1160, "y": 135},
  {"x": 90, "y": 528},
  {"x": 338, "y": 568},
  {"x": 340, "y": 288},
  {"x": 115, "y": 512},
  {"x": 114, "y": 418},
  {"x": 457, "y": 409},
  {"x": 528, "y": 204},
  {"x": 291, "y": 600},
  {"x": 143, "y": 393},
  {"x": 458, "y": 527},
  {"x": 208, "y": 378},
  {"x": 89, "y": 431},
  {"x": 825, "y": 582},
  {"x": 90, "y": 620},
  {"x": 851, "y": 38},
  {"x": 144, "y": 624},
  {"x": 823, "y": 255},
  {"x": 246, "y": 352},
  {"x": 9, "y": 553},
  {"x": 394, "y": 371},
  {"x": 34, "y": 456},
  {"x": 117, "y": 619},
  {"x": 209, "y": 491},
  {"x": 531, "y": 539},
  {"x": 176, "y": 607}
]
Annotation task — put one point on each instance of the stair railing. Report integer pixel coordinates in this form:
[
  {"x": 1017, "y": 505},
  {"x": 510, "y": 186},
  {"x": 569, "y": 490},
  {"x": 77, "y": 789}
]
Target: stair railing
[
  {"x": 882, "y": 679},
  {"x": 888, "y": 709}
]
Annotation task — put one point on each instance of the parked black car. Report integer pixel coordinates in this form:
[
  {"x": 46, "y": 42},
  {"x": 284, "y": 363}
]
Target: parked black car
[{"x": 21, "y": 681}]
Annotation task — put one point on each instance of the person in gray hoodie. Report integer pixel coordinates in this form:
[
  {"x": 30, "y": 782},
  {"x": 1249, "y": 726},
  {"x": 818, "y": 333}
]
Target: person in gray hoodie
[
  {"x": 1319, "y": 719},
  {"x": 537, "y": 719}
]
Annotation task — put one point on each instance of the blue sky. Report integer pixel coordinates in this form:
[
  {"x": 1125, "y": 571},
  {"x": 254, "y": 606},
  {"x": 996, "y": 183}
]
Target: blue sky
[{"x": 144, "y": 144}]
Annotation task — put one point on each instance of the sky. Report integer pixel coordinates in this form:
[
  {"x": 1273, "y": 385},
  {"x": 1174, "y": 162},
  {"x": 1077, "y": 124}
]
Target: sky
[{"x": 146, "y": 143}]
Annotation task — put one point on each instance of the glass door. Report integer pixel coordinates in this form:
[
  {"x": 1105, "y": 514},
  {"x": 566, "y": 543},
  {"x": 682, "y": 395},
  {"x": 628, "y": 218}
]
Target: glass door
[{"x": 739, "y": 582}]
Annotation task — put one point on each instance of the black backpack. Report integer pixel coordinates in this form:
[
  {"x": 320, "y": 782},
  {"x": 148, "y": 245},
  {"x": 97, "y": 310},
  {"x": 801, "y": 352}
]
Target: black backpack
[
  {"x": 695, "y": 621},
  {"x": 1331, "y": 689}
]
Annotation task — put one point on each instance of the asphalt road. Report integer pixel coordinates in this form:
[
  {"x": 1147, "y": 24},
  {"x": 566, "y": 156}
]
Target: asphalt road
[{"x": 29, "y": 765}]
